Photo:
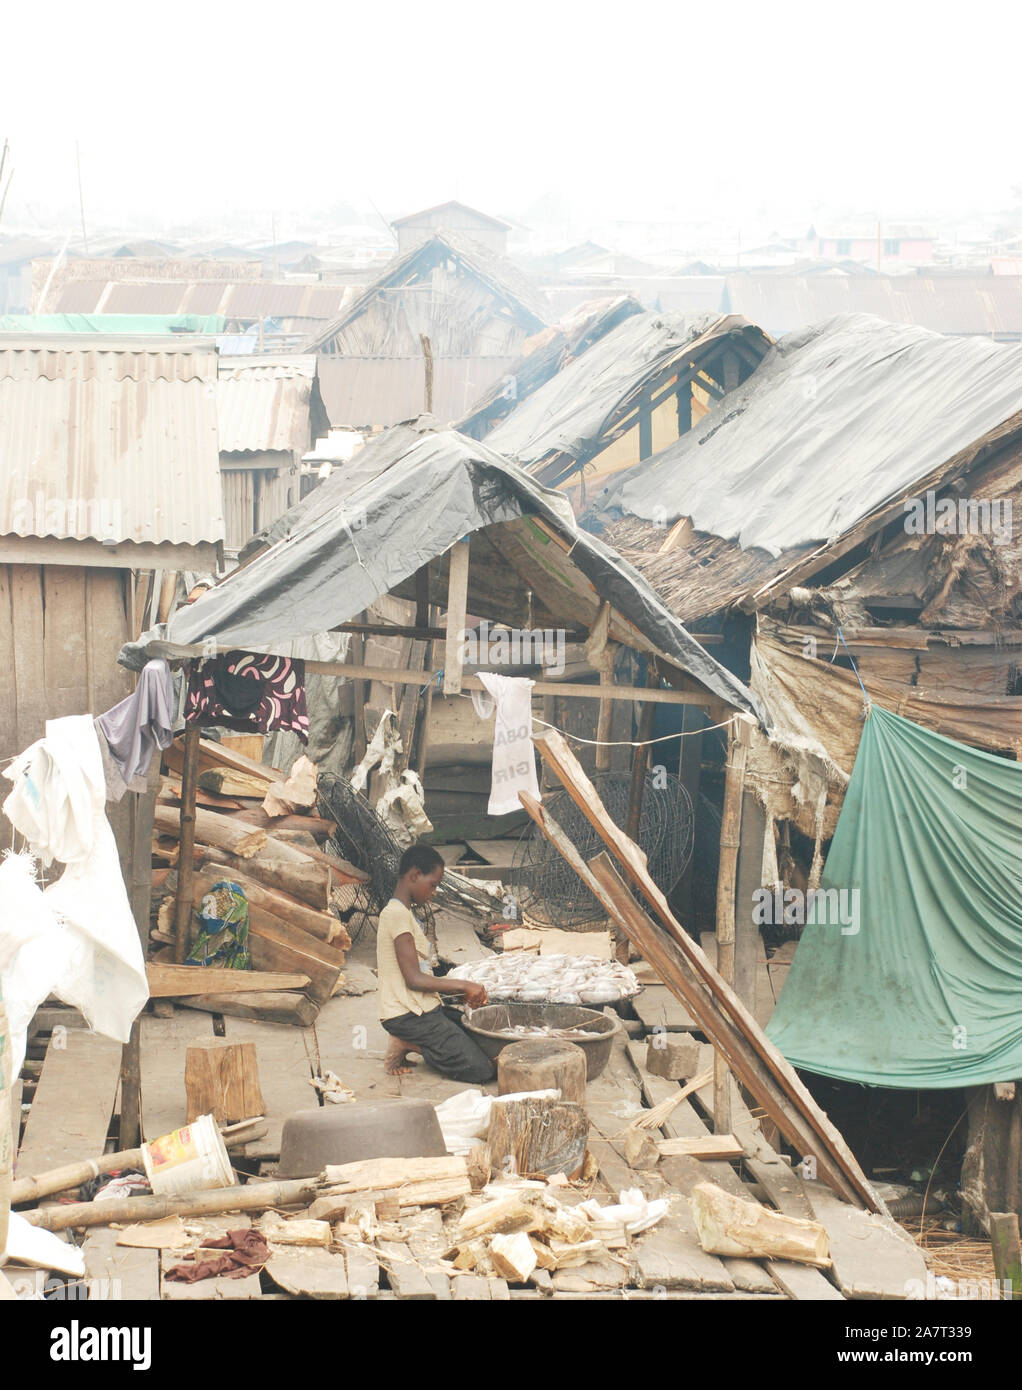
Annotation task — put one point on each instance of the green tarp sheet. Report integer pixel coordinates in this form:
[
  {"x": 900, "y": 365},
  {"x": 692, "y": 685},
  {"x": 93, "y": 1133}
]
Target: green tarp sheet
[{"x": 918, "y": 980}]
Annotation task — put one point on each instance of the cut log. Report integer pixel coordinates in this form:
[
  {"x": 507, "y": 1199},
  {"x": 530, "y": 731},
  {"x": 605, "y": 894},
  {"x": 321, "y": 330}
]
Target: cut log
[
  {"x": 513, "y": 1256},
  {"x": 288, "y": 908},
  {"x": 277, "y": 945},
  {"x": 501, "y": 1216},
  {"x": 543, "y": 1064},
  {"x": 221, "y": 755},
  {"x": 316, "y": 826},
  {"x": 296, "y": 1231},
  {"x": 370, "y": 1174},
  {"x": 299, "y": 877},
  {"x": 273, "y": 1006},
  {"x": 222, "y": 1080},
  {"x": 729, "y": 1225},
  {"x": 233, "y": 837},
  {"x": 168, "y": 981},
  {"x": 537, "y": 1137},
  {"x": 640, "y": 1150}
]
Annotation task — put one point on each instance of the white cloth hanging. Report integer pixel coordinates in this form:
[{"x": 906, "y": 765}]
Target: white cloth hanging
[
  {"x": 58, "y": 804},
  {"x": 514, "y": 757}
]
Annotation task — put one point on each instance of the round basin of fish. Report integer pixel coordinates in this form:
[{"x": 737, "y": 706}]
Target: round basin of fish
[{"x": 495, "y": 1026}]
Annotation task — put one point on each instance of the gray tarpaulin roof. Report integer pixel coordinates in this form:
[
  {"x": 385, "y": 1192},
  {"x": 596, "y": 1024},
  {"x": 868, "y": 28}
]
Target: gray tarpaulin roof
[
  {"x": 837, "y": 419},
  {"x": 572, "y": 411},
  {"x": 335, "y": 562}
]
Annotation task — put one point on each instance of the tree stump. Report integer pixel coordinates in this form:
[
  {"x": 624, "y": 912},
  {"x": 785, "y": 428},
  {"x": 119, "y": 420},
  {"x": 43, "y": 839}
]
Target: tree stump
[
  {"x": 543, "y": 1064},
  {"x": 537, "y": 1137},
  {"x": 222, "y": 1080}
]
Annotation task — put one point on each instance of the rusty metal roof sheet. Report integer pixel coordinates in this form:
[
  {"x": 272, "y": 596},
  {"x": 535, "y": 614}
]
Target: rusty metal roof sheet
[
  {"x": 264, "y": 403},
  {"x": 248, "y": 300},
  {"x": 109, "y": 442}
]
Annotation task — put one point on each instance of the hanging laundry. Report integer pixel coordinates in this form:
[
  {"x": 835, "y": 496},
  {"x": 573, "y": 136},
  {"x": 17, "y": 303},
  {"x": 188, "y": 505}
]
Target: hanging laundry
[
  {"x": 223, "y": 929},
  {"x": 131, "y": 731},
  {"x": 57, "y": 803},
  {"x": 514, "y": 757},
  {"x": 252, "y": 694}
]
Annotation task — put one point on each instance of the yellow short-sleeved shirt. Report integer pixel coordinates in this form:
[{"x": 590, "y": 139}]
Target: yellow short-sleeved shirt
[{"x": 394, "y": 997}]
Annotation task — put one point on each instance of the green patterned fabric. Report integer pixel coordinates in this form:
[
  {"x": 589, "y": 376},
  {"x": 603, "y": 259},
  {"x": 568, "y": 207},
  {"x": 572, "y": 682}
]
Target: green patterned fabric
[
  {"x": 223, "y": 929},
  {"x": 922, "y": 987}
]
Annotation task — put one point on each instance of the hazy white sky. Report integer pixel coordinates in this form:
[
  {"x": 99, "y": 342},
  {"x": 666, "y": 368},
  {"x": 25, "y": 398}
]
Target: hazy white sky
[{"x": 674, "y": 109}]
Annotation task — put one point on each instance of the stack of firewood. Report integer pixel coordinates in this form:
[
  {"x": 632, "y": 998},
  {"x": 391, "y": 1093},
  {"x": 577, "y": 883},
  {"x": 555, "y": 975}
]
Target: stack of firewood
[{"x": 258, "y": 829}]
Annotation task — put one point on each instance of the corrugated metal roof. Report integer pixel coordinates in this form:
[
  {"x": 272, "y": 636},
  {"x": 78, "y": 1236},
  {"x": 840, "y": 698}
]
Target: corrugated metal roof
[
  {"x": 264, "y": 403},
  {"x": 954, "y": 304},
  {"x": 109, "y": 442},
  {"x": 248, "y": 300},
  {"x": 364, "y": 392}
]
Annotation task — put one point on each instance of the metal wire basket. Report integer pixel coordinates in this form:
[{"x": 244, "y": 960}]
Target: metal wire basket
[{"x": 548, "y": 889}]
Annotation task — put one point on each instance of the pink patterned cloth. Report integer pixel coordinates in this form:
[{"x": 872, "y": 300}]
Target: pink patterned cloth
[{"x": 252, "y": 694}]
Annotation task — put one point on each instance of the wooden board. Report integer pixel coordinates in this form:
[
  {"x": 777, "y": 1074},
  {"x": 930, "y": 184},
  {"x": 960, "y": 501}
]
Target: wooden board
[
  {"x": 497, "y": 852},
  {"x": 670, "y": 1256},
  {"x": 73, "y": 1103},
  {"x": 404, "y": 1275},
  {"x": 363, "y": 1271},
  {"x": 115, "y": 1271},
  {"x": 470, "y": 1288},
  {"x": 873, "y": 1257},
  {"x": 457, "y": 941},
  {"x": 657, "y": 1007},
  {"x": 168, "y": 981},
  {"x": 164, "y": 1045},
  {"x": 308, "y": 1272}
]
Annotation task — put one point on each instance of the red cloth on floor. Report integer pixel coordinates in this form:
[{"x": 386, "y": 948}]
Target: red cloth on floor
[{"x": 247, "y": 1252}]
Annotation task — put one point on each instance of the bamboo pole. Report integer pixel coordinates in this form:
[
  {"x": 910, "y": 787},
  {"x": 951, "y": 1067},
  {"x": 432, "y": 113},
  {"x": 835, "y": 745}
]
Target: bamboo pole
[
  {"x": 254, "y": 1197},
  {"x": 186, "y": 862},
  {"x": 730, "y": 840},
  {"x": 73, "y": 1175}
]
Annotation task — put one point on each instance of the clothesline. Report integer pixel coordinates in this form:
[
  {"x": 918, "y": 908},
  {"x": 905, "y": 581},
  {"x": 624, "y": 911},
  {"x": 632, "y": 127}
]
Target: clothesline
[{"x": 629, "y": 743}]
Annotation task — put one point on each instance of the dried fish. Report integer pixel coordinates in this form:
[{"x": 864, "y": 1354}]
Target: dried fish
[{"x": 554, "y": 979}]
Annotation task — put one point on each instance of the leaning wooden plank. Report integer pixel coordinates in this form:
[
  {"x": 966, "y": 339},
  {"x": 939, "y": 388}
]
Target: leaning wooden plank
[
  {"x": 275, "y": 1006},
  {"x": 732, "y": 1042},
  {"x": 282, "y": 904},
  {"x": 234, "y": 837},
  {"x": 253, "y": 1197},
  {"x": 115, "y": 1271},
  {"x": 362, "y": 1269},
  {"x": 831, "y": 1146},
  {"x": 73, "y": 1102},
  {"x": 308, "y": 1273},
  {"x": 872, "y": 1257},
  {"x": 169, "y": 981}
]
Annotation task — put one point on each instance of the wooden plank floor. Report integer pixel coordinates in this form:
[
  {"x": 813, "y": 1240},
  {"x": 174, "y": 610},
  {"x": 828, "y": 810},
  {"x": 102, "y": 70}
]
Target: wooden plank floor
[{"x": 73, "y": 1102}]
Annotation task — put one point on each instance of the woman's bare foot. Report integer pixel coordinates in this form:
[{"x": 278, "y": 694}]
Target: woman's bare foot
[{"x": 396, "y": 1057}]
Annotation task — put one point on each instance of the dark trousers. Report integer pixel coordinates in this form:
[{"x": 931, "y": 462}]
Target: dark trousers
[{"x": 441, "y": 1038}]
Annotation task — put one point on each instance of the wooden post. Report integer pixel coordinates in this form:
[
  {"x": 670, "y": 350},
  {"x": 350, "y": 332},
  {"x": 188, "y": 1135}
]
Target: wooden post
[
  {"x": 457, "y": 607},
  {"x": 186, "y": 859},
  {"x": 684, "y": 407},
  {"x": 427, "y": 354},
  {"x": 731, "y": 371},
  {"x": 645, "y": 425},
  {"x": 1007, "y": 1252},
  {"x": 422, "y": 597},
  {"x": 730, "y": 839},
  {"x": 640, "y": 762},
  {"x": 139, "y": 880}
]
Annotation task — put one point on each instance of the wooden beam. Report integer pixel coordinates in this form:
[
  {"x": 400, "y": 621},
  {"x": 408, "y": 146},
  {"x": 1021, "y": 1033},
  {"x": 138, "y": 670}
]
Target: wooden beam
[
  {"x": 422, "y": 605},
  {"x": 186, "y": 861},
  {"x": 645, "y": 426},
  {"x": 640, "y": 762},
  {"x": 425, "y": 633},
  {"x": 727, "y": 875},
  {"x": 457, "y": 600},
  {"x": 772, "y": 1070}
]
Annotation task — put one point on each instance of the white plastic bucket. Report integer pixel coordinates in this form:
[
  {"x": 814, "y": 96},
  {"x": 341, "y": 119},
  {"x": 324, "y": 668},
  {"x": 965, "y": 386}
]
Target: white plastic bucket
[{"x": 189, "y": 1159}]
